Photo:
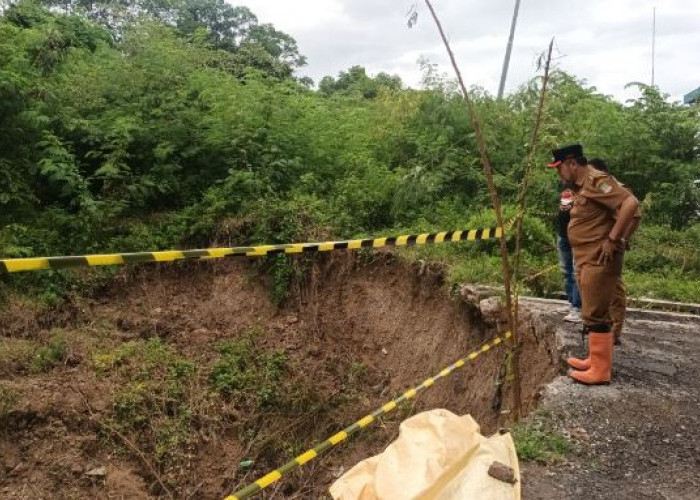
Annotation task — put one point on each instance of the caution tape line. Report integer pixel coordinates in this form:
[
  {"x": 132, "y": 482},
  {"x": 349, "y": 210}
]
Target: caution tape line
[
  {"x": 341, "y": 436},
  {"x": 52, "y": 263},
  {"x": 509, "y": 225}
]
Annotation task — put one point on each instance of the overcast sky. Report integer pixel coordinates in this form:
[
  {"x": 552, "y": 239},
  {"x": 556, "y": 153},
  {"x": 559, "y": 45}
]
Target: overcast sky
[{"x": 607, "y": 42}]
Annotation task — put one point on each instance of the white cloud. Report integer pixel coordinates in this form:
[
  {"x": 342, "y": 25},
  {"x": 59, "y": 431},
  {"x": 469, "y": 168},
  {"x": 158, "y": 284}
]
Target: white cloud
[{"x": 606, "y": 42}]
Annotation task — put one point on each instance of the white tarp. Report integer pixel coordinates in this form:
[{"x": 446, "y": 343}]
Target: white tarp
[{"x": 438, "y": 455}]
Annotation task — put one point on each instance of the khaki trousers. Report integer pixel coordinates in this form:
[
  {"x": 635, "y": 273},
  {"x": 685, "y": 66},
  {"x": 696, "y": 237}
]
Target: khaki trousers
[
  {"x": 602, "y": 292},
  {"x": 618, "y": 308}
]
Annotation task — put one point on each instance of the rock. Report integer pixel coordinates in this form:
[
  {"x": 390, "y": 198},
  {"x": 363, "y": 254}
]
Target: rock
[
  {"x": 491, "y": 309},
  {"x": 473, "y": 294},
  {"x": 97, "y": 472},
  {"x": 502, "y": 472},
  {"x": 580, "y": 434},
  {"x": 541, "y": 322}
]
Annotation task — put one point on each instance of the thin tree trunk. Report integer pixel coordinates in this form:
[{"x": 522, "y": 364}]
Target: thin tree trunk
[
  {"x": 499, "y": 216},
  {"x": 522, "y": 198}
]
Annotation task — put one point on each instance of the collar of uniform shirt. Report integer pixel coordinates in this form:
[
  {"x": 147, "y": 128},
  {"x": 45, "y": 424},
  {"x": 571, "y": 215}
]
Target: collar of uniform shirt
[{"x": 583, "y": 173}]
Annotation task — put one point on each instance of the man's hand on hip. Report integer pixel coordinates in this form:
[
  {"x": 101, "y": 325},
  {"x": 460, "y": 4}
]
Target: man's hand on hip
[{"x": 607, "y": 249}]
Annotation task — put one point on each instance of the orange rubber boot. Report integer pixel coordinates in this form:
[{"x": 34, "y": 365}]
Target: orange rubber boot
[
  {"x": 579, "y": 364},
  {"x": 601, "y": 351}
]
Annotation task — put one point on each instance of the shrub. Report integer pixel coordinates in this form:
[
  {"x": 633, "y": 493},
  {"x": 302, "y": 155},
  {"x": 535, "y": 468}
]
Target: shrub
[
  {"x": 47, "y": 356},
  {"x": 8, "y": 398},
  {"x": 246, "y": 375}
]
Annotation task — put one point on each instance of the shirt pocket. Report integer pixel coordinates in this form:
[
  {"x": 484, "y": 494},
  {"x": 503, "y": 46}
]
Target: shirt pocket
[{"x": 579, "y": 207}]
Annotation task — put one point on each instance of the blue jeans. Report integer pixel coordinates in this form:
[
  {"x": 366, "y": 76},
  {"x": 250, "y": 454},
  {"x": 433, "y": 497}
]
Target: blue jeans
[{"x": 566, "y": 262}]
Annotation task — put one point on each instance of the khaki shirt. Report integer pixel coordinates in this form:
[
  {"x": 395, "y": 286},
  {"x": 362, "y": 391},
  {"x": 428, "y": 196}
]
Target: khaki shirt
[{"x": 596, "y": 202}]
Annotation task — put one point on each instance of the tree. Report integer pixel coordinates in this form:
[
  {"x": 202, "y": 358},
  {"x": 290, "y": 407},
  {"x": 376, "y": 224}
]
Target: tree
[
  {"x": 355, "y": 81},
  {"x": 231, "y": 28}
]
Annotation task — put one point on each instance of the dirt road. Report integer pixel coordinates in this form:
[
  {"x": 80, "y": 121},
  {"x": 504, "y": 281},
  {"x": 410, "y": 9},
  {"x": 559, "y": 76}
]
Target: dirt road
[{"x": 638, "y": 437}]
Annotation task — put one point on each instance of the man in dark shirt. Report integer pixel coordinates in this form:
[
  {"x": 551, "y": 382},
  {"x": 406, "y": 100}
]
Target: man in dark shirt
[{"x": 566, "y": 259}]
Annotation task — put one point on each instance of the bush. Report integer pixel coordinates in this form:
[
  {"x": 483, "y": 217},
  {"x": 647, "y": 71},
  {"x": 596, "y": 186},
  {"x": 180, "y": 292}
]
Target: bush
[
  {"x": 8, "y": 399},
  {"x": 156, "y": 403},
  {"x": 158, "y": 139},
  {"x": 246, "y": 375},
  {"x": 48, "y": 356}
]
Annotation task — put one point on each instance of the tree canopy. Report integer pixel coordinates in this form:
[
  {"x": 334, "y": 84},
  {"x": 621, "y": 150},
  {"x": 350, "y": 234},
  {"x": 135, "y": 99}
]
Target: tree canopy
[{"x": 137, "y": 125}]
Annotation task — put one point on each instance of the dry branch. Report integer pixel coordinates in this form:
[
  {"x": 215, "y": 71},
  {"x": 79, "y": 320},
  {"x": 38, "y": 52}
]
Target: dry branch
[
  {"x": 522, "y": 199},
  {"x": 495, "y": 202}
]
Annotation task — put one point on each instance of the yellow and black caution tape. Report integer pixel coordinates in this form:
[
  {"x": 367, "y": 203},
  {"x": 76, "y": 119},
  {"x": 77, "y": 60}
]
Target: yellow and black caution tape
[
  {"x": 509, "y": 225},
  {"x": 341, "y": 436},
  {"x": 44, "y": 263}
]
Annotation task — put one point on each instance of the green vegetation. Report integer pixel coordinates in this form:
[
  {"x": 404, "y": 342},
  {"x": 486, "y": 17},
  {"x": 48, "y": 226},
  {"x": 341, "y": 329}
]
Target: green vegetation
[
  {"x": 16, "y": 355},
  {"x": 156, "y": 403},
  {"x": 49, "y": 355},
  {"x": 248, "y": 375},
  {"x": 145, "y": 126},
  {"x": 356, "y": 373},
  {"x": 282, "y": 273},
  {"x": 538, "y": 439},
  {"x": 8, "y": 399},
  {"x": 28, "y": 356},
  {"x": 168, "y": 404},
  {"x": 103, "y": 362}
]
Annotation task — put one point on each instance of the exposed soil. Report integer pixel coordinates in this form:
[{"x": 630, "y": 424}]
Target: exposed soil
[
  {"x": 638, "y": 437},
  {"x": 358, "y": 331}
]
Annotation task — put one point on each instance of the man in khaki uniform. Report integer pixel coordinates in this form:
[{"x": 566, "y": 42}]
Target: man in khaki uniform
[
  {"x": 601, "y": 216},
  {"x": 618, "y": 306}
]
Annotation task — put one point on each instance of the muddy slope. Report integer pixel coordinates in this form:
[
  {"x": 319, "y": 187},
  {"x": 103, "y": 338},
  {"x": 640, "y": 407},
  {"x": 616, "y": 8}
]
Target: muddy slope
[{"x": 136, "y": 401}]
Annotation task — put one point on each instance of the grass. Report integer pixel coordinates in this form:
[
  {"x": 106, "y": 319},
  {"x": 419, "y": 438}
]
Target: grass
[
  {"x": 156, "y": 402},
  {"x": 165, "y": 400},
  {"x": 247, "y": 374},
  {"x": 282, "y": 274},
  {"x": 104, "y": 361},
  {"x": 49, "y": 355},
  {"x": 8, "y": 399},
  {"x": 28, "y": 356},
  {"x": 356, "y": 373},
  {"x": 16, "y": 354},
  {"x": 662, "y": 264},
  {"x": 538, "y": 439},
  {"x": 674, "y": 285}
]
